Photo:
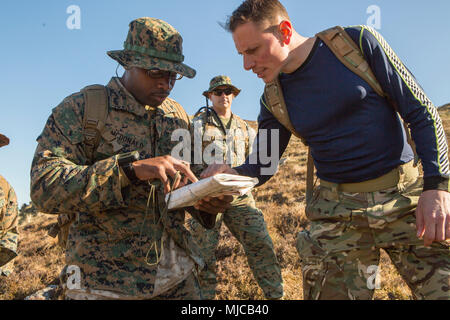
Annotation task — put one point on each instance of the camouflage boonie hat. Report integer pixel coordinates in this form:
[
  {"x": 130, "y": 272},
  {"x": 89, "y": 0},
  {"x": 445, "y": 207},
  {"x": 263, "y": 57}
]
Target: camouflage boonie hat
[
  {"x": 221, "y": 81},
  {"x": 153, "y": 43},
  {"x": 4, "y": 141}
]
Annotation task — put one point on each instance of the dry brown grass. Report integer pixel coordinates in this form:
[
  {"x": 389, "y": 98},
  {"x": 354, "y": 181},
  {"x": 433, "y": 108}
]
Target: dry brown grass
[
  {"x": 39, "y": 262},
  {"x": 282, "y": 201}
]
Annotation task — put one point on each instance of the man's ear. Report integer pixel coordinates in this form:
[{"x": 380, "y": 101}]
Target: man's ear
[{"x": 285, "y": 29}]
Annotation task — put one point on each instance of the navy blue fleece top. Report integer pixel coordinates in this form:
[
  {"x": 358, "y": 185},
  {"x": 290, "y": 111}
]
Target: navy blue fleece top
[{"x": 354, "y": 134}]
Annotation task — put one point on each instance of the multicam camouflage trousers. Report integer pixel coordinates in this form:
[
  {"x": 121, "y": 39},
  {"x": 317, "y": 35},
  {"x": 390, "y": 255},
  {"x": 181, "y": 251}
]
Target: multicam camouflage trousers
[
  {"x": 341, "y": 251},
  {"x": 246, "y": 223}
]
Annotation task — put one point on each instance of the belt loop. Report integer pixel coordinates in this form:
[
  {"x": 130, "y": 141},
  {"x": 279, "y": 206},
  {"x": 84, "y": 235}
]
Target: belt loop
[
  {"x": 401, "y": 178},
  {"x": 335, "y": 190},
  {"x": 330, "y": 189}
]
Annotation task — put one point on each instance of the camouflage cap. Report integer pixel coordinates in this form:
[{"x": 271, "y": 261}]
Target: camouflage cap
[
  {"x": 221, "y": 81},
  {"x": 153, "y": 43},
  {"x": 4, "y": 141}
]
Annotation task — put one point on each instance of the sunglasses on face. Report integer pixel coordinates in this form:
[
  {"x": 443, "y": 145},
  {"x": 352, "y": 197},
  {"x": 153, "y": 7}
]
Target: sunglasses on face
[
  {"x": 218, "y": 92},
  {"x": 158, "y": 74}
]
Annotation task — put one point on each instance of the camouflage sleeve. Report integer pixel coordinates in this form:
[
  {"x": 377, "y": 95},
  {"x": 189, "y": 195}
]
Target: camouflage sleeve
[
  {"x": 62, "y": 180},
  {"x": 8, "y": 225},
  {"x": 164, "y": 146},
  {"x": 8, "y": 210}
]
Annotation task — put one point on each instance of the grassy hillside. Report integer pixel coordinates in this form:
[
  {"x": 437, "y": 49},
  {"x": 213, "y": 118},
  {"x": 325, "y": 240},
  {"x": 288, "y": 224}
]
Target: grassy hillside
[{"x": 281, "y": 200}]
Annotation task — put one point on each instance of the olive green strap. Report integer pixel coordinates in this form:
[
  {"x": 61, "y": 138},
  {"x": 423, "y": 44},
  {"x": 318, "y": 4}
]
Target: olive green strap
[
  {"x": 94, "y": 119},
  {"x": 277, "y": 106},
  {"x": 346, "y": 50},
  {"x": 309, "y": 177}
]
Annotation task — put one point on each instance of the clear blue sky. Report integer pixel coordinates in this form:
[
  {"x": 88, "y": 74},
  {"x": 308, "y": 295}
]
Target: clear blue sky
[{"x": 43, "y": 61}]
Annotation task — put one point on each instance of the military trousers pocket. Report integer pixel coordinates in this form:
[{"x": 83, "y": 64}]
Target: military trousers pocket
[{"x": 313, "y": 265}]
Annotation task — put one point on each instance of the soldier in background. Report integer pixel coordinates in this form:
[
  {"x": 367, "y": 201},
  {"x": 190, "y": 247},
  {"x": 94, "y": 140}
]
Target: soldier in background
[
  {"x": 108, "y": 172},
  {"x": 9, "y": 234},
  {"x": 227, "y": 138}
]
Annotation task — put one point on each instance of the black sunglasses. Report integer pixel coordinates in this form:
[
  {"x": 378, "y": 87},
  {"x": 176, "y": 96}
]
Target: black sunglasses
[{"x": 218, "y": 92}]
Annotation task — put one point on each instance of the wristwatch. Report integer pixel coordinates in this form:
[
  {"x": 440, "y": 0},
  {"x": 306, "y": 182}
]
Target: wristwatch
[{"x": 125, "y": 161}]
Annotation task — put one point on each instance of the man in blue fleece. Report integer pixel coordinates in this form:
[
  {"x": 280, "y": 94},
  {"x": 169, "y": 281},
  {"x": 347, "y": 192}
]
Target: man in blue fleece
[{"x": 370, "y": 194}]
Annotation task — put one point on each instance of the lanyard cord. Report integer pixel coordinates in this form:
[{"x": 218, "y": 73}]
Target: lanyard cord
[
  {"x": 152, "y": 197},
  {"x": 208, "y": 110}
]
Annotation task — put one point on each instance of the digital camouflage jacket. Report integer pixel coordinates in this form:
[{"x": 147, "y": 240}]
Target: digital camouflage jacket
[
  {"x": 116, "y": 237},
  {"x": 232, "y": 148},
  {"x": 8, "y": 226}
]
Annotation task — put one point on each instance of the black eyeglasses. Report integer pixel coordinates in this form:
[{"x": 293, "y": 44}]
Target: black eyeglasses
[
  {"x": 158, "y": 74},
  {"x": 218, "y": 92}
]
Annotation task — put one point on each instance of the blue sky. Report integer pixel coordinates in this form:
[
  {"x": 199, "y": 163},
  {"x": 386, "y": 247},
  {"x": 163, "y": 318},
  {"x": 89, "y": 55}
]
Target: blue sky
[{"x": 43, "y": 61}]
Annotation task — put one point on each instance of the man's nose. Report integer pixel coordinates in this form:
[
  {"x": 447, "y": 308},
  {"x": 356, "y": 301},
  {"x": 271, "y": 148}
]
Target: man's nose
[
  {"x": 248, "y": 63},
  {"x": 165, "y": 83}
]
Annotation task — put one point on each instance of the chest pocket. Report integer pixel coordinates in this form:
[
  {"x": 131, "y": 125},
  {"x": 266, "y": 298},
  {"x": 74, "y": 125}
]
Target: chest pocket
[
  {"x": 109, "y": 146},
  {"x": 214, "y": 145},
  {"x": 124, "y": 132},
  {"x": 212, "y": 133}
]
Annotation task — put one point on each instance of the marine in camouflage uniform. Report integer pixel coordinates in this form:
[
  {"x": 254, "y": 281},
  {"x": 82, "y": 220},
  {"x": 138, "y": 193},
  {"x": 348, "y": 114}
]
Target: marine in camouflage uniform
[
  {"x": 9, "y": 233},
  {"x": 122, "y": 243},
  {"x": 243, "y": 218}
]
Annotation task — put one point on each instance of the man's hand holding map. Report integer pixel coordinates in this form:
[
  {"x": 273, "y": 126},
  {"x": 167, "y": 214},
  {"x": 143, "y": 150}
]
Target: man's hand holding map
[{"x": 214, "y": 186}]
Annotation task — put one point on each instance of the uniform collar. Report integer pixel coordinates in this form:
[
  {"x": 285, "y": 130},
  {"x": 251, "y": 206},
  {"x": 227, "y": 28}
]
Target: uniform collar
[{"x": 122, "y": 99}]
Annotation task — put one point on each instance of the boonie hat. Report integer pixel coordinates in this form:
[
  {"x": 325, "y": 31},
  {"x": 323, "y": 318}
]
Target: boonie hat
[
  {"x": 221, "y": 81},
  {"x": 153, "y": 43}
]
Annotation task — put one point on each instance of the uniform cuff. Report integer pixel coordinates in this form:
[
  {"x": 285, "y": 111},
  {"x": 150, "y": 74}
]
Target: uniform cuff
[
  {"x": 207, "y": 220},
  {"x": 436, "y": 183},
  {"x": 124, "y": 181}
]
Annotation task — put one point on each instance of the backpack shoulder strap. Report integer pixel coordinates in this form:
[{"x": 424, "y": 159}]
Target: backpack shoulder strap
[
  {"x": 170, "y": 105},
  {"x": 94, "y": 119},
  {"x": 273, "y": 95},
  {"x": 348, "y": 52}
]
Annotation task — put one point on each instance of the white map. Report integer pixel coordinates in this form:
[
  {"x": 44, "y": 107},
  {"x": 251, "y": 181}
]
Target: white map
[{"x": 220, "y": 184}]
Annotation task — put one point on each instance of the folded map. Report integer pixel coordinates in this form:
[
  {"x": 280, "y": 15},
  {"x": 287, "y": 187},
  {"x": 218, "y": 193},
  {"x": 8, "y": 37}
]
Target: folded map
[{"x": 220, "y": 184}]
